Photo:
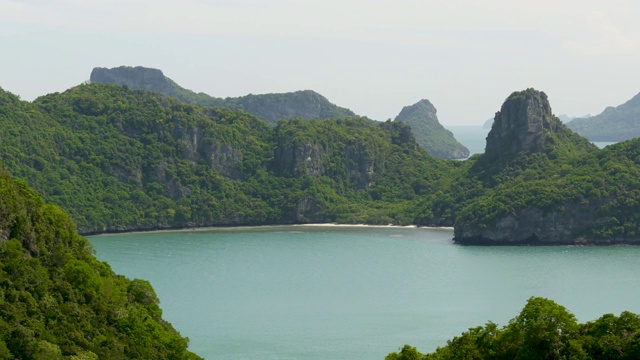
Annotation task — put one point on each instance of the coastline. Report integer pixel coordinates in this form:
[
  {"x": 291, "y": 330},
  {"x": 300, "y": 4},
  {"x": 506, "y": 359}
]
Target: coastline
[{"x": 315, "y": 225}]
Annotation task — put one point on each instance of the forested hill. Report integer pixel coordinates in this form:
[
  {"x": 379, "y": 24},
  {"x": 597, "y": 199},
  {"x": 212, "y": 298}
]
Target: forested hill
[
  {"x": 613, "y": 124},
  {"x": 119, "y": 159},
  {"x": 305, "y": 104},
  {"x": 57, "y": 301},
  {"x": 538, "y": 183},
  {"x": 429, "y": 133}
]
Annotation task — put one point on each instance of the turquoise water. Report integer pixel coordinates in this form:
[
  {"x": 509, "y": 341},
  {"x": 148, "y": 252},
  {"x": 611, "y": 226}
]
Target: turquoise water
[
  {"x": 473, "y": 137},
  {"x": 356, "y": 292}
]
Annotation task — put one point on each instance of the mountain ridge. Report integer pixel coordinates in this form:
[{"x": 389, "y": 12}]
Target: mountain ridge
[
  {"x": 613, "y": 124},
  {"x": 304, "y": 104}
]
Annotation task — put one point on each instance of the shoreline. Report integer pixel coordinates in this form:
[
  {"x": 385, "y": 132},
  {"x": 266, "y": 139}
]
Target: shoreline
[{"x": 314, "y": 225}]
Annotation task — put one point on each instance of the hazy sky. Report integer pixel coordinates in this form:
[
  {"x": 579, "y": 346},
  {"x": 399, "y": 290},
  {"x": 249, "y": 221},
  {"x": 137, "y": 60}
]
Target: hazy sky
[{"x": 374, "y": 57}]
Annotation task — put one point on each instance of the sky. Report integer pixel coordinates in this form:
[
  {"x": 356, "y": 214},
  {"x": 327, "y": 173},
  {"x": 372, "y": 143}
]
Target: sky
[{"x": 373, "y": 57}]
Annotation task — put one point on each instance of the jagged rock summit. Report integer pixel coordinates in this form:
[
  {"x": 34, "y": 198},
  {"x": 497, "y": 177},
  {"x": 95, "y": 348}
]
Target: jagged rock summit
[
  {"x": 304, "y": 104},
  {"x": 531, "y": 202},
  {"x": 136, "y": 78},
  {"x": 522, "y": 124},
  {"x": 430, "y": 134}
]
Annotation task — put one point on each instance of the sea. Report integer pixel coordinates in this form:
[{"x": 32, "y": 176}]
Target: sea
[
  {"x": 356, "y": 292},
  {"x": 350, "y": 292}
]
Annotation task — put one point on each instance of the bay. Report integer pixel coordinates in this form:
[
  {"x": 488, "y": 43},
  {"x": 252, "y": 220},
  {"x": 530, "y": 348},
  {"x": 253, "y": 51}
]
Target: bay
[{"x": 331, "y": 292}]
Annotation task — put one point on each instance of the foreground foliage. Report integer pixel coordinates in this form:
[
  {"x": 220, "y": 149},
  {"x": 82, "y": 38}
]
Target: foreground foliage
[
  {"x": 542, "y": 330},
  {"x": 58, "y": 301}
]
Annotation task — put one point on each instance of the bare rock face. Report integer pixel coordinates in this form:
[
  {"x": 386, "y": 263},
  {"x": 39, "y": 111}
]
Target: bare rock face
[
  {"x": 521, "y": 124},
  {"x": 311, "y": 158},
  {"x": 136, "y": 78},
  {"x": 535, "y": 226},
  {"x": 301, "y": 159}
]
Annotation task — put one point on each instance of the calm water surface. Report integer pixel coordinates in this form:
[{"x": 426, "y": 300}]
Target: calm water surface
[{"x": 356, "y": 292}]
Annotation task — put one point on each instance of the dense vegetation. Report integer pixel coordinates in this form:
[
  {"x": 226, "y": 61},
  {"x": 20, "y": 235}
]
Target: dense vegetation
[
  {"x": 305, "y": 104},
  {"x": 596, "y": 185},
  {"x": 430, "y": 134},
  {"x": 542, "y": 330},
  {"x": 122, "y": 159},
  {"x": 119, "y": 159},
  {"x": 57, "y": 301},
  {"x": 562, "y": 188},
  {"x": 613, "y": 124}
]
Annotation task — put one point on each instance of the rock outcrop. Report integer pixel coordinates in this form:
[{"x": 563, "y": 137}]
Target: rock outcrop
[
  {"x": 522, "y": 125},
  {"x": 526, "y": 133},
  {"x": 537, "y": 226},
  {"x": 135, "y": 78},
  {"x": 429, "y": 133}
]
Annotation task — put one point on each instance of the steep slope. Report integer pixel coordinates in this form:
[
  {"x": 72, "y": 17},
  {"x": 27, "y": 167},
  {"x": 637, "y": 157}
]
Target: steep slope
[
  {"x": 305, "y": 104},
  {"x": 57, "y": 301},
  {"x": 526, "y": 124},
  {"x": 543, "y": 184},
  {"x": 119, "y": 159},
  {"x": 430, "y": 134},
  {"x": 613, "y": 124}
]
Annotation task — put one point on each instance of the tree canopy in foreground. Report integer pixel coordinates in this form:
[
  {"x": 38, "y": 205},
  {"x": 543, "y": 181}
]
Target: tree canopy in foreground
[{"x": 542, "y": 330}]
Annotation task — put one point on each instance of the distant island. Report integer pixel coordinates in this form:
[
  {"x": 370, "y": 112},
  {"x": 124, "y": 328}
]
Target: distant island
[
  {"x": 305, "y": 104},
  {"x": 430, "y": 134},
  {"x": 613, "y": 124}
]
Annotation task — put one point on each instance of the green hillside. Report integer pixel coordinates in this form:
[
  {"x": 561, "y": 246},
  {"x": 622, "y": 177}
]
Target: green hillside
[
  {"x": 430, "y": 134},
  {"x": 538, "y": 183},
  {"x": 120, "y": 159},
  {"x": 58, "y": 302}
]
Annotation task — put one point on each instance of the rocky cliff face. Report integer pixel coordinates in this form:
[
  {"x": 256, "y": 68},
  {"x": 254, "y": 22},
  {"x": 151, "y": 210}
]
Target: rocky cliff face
[
  {"x": 429, "y": 133},
  {"x": 135, "y": 78},
  {"x": 525, "y": 133},
  {"x": 313, "y": 159},
  {"x": 536, "y": 226},
  {"x": 521, "y": 125}
]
